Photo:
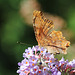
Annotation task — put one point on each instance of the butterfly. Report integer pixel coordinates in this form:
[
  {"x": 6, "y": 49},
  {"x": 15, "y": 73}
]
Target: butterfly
[{"x": 46, "y": 37}]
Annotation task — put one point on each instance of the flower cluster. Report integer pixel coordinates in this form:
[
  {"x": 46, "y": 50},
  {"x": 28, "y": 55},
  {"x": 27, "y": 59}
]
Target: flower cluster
[{"x": 38, "y": 61}]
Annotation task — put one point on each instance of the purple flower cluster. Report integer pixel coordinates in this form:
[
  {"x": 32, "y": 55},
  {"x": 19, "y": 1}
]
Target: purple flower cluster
[{"x": 38, "y": 61}]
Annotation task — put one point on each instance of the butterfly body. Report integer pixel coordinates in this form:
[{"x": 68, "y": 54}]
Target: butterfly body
[{"x": 46, "y": 37}]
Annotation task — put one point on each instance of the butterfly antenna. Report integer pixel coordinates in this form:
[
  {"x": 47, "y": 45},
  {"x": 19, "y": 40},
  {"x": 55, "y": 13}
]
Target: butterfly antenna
[{"x": 23, "y": 43}]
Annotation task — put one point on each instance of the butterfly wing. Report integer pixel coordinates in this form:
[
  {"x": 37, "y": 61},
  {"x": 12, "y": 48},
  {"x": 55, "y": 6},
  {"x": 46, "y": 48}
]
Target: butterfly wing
[
  {"x": 53, "y": 41},
  {"x": 41, "y": 27},
  {"x": 58, "y": 43}
]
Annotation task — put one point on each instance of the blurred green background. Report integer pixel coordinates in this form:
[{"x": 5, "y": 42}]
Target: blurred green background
[{"x": 14, "y": 28}]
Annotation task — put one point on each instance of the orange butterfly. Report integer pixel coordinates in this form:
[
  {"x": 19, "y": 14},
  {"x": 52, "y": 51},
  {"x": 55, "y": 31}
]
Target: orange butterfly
[{"x": 52, "y": 40}]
